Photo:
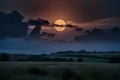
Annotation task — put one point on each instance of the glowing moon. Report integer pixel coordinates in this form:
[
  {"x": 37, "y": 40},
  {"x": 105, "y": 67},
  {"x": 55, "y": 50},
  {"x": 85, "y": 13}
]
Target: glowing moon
[{"x": 61, "y": 23}]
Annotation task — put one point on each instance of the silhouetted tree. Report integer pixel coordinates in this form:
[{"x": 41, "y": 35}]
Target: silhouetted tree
[
  {"x": 68, "y": 74},
  {"x": 82, "y": 51},
  {"x": 71, "y": 60},
  {"x": 37, "y": 71},
  {"x": 79, "y": 60},
  {"x": 5, "y": 57},
  {"x": 115, "y": 59}
]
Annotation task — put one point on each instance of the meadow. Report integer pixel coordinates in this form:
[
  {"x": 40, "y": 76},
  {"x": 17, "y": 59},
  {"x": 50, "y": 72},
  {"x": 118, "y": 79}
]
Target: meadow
[{"x": 59, "y": 71}]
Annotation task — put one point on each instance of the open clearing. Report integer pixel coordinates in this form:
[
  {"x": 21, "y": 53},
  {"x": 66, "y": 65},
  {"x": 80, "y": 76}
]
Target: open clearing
[{"x": 59, "y": 71}]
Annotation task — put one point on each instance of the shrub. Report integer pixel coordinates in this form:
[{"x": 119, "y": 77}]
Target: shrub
[
  {"x": 5, "y": 57},
  {"x": 71, "y": 60},
  {"x": 79, "y": 60},
  {"x": 67, "y": 74},
  {"x": 115, "y": 59},
  {"x": 77, "y": 77},
  {"x": 37, "y": 71},
  {"x": 59, "y": 60},
  {"x": 2, "y": 77}
]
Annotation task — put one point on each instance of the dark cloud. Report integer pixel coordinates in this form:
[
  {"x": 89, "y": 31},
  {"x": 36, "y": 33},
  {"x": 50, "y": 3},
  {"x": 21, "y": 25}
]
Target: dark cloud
[
  {"x": 78, "y": 29},
  {"x": 70, "y": 26},
  {"x": 102, "y": 35},
  {"x": 11, "y": 25},
  {"x": 36, "y": 31},
  {"x": 43, "y": 33},
  {"x": 47, "y": 35},
  {"x": 50, "y": 35},
  {"x": 37, "y": 23}
]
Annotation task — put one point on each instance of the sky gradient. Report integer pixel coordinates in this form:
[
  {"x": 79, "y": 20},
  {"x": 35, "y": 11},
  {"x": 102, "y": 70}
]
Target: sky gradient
[
  {"x": 73, "y": 10},
  {"x": 90, "y": 25}
]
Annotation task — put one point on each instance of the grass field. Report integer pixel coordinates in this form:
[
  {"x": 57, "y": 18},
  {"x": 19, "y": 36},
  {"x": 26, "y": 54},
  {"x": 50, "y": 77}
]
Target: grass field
[{"x": 59, "y": 71}]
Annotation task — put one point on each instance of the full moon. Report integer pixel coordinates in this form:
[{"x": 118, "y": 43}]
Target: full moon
[{"x": 61, "y": 23}]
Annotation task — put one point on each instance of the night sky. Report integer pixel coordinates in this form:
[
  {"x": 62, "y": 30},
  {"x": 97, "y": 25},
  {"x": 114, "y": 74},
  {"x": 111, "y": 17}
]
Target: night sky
[
  {"x": 28, "y": 26},
  {"x": 73, "y": 10}
]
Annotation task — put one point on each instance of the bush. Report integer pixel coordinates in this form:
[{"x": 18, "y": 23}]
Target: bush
[
  {"x": 79, "y": 60},
  {"x": 37, "y": 71},
  {"x": 5, "y": 57},
  {"x": 2, "y": 77},
  {"x": 67, "y": 74},
  {"x": 115, "y": 59},
  {"x": 78, "y": 77},
  {"x": 71, "y": 60},
  {"x": 59, "y": 60}
]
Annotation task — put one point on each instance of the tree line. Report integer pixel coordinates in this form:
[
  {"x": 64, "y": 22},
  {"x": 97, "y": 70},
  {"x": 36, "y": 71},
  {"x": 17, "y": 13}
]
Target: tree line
[{"x": 46, "y": 58}]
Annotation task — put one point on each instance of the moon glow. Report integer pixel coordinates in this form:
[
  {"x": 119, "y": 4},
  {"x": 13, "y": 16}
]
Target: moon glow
[{"x": 61, "y": 25}]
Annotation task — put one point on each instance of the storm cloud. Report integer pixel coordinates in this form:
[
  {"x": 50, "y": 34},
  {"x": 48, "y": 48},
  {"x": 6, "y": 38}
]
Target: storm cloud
[
  {"x": 11, "y": 25},
  {"x": 37, "y": 23},
  {"x": 100, "y": 35}
]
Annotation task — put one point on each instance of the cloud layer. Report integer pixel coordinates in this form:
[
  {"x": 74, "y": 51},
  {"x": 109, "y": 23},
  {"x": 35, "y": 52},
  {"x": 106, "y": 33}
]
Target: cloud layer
[
  {"x": 100, "y": 35},
  {"x": 11, "y": 25}
]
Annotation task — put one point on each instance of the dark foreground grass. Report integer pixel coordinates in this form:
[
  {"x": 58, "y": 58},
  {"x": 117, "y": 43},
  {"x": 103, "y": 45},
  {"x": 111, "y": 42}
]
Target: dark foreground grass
[{"x": 59, "y": 71}]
